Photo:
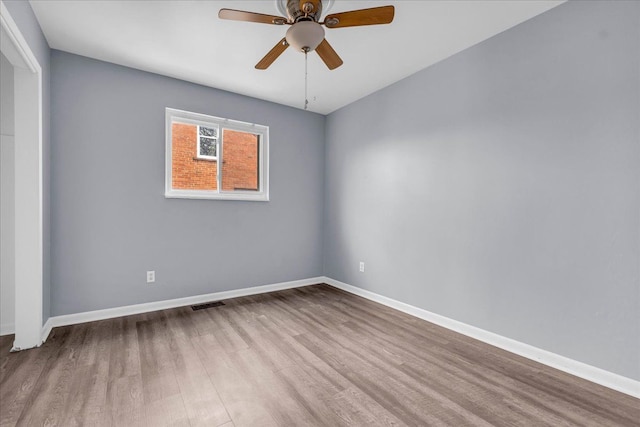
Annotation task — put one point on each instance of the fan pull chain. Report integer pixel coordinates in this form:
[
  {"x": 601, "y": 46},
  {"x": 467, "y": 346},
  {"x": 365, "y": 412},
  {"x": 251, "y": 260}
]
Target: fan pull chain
[{"x": 306, "y": 81}]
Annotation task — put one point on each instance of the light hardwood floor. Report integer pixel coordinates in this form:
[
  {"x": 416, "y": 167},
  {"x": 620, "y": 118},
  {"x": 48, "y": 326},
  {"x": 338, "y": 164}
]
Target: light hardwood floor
[{"x": 308, "y": 356}]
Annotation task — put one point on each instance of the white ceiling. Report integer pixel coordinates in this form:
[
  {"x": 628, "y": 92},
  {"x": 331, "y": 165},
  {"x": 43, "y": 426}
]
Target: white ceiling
[{"x": 185, "y": 39}]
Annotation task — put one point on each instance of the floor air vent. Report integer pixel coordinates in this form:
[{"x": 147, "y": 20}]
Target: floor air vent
[{"x": 207, "y": 305}]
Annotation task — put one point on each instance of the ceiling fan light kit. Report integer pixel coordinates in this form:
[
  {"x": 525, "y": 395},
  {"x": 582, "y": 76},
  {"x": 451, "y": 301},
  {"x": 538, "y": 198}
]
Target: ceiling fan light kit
[
  {"x": 305, "y": 36},
  {"x": 306, "y": 33}
]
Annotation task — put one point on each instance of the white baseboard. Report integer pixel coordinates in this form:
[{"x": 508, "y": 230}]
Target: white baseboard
[
  {"x": 7, "y": 329},
  {"x": 109, "y": 313},
  {"x": 46, "y": 330},
  {"x": 579, "y": 369}
]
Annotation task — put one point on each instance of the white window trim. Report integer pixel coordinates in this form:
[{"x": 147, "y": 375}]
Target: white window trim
[
  {"x": 198, "y": 136},
  {"x": 205, "y": 120}
]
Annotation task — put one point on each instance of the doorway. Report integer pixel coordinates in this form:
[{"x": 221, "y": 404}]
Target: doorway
[{"x": 24, "y": 162}]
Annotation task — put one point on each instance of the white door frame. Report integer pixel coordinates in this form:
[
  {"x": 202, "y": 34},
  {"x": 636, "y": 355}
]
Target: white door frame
[{"x": 28, "y": 184}]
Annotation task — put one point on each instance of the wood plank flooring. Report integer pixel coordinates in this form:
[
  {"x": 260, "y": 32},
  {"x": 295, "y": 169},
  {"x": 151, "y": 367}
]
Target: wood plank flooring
[{"x": 312, "y": 356}]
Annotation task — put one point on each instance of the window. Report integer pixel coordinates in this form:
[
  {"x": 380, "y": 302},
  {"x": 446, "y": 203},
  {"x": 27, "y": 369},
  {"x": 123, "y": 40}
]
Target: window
[
  {"x": 208, "y": 142},
  {"x": 213, "y": 158}
]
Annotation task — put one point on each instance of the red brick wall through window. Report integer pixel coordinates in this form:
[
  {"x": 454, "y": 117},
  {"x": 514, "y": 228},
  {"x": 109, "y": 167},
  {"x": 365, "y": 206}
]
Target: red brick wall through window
[{"x": 240, "y": 161}]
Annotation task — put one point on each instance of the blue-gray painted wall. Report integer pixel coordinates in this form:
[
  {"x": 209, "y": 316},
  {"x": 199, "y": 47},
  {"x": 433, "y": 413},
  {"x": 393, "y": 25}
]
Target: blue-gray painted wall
[
  {"x": 111, "y": 221},
  {"x": 501, "y": 187}
]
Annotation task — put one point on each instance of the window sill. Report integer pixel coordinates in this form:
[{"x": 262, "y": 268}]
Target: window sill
[{"x": 214, "y": 195}]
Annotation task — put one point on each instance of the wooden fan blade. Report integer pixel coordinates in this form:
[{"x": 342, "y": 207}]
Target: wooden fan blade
[
  {"x": 354, "y": 18},
  {"x": 272, "y": 55},
  {"x": 328, "y": 55},
  {"x": 241, "y": 15}
]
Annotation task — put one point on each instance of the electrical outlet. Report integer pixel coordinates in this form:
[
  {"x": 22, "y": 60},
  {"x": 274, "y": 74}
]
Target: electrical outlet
[
  {"x": 151, "y": 276},
  {"x": 361, "y": 267}
]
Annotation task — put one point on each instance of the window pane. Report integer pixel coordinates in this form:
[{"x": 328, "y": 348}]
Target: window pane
[
  {"x": 208, "y": 146},
  {"x": 240, "y": 154},
  {"x": 212, "y": 132},
  {"x": 187, "y": 171}
]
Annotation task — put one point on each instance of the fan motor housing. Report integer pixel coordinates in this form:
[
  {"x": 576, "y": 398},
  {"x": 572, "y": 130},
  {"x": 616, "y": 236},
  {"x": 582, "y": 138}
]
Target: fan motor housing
[{"x": 296, "y": 14}]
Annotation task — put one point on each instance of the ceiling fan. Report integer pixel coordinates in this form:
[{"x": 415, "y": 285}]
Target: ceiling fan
[{"x": 306, "y": 33}]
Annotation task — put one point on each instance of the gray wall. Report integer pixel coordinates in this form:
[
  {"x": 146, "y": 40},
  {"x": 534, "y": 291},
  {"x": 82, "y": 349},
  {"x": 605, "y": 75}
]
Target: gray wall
[
  {"x": 112, "y": 223},
  {"x": 7, "y": 196},
  {"x": 501, "y": 187},
  {"x": 7, "y": 115},
  {"x": 25, "y": 19}
]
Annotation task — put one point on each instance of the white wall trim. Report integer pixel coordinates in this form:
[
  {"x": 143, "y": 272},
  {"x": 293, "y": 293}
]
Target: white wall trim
[
  {"x": 13, "y": 44},
  {"x": 7, "y": 329},
  {"x": 46, "y": 330},
  {"x": 109, "y": 313},
  {"x": 573, "y": 367}
]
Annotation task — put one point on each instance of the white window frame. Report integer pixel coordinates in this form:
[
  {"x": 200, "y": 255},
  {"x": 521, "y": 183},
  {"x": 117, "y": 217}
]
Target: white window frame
[{"x": 173, "y": 115}]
